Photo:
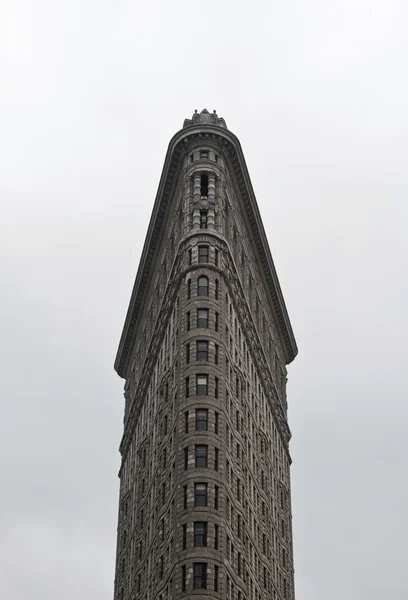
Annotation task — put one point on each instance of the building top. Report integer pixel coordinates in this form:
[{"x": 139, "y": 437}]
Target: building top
[
  {"x": 201, "y": 123},
  {"x": 205, "y": 118}
]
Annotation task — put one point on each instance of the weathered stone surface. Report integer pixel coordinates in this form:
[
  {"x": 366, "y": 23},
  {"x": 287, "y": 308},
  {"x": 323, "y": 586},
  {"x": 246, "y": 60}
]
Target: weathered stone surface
[{"x": 206, "y": 275}]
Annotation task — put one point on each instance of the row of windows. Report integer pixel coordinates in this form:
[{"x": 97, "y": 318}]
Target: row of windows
[
  {"x": 204, "y": 251},
  {"x": 202, "y": 319},
  {"x": 202, "y": 351},
  {"x": 200, "y": 535},
  {"x": 203, "y": 287},
  {"x": 201, "y": 495},
  {"x": 201, "y": 387},
  {"x": 201, "y": 420},
  {"x": 199, "y": 577},
  {"x": 201, "y": 457}
]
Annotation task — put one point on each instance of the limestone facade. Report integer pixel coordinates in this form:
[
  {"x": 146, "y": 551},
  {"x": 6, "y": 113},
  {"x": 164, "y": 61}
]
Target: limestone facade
[{"x": 205, "y": 501}]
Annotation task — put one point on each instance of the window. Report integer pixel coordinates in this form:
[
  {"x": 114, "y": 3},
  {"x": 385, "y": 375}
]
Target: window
[
  {"x": 187, "y": 384},
  {"x": 183, "y": 578},
  {"x": 202, "y": 318},
  {"x": 184, "y": 537},
  {"x": 203, "y": 254},
  {"x": 191, "y": 157},
  {"x": 190, "y": 257},
  {"x": 216, "y": 458},
  {"x": 204, "y": 185},
  {"x": 188, "y": 289},
  {"x": 216, "y": 536},
  {"x": 188, "y": 325},
  {"x": 203, "y": 153},
  {"x": 201, "y": 384},
  {"x": 216, "y": 422},
  {"x": 200, "y": 534},
  {"x": 185, "y": 459},
  {"x": 185, "y": 497},
  {"x": 216, "y": 388},
  {"x": 216, "y": 578},
  {"x": 216, "y": 322},
  {"x": 216, "y": 497},
  {"x": 202, "y": 286},
  {"x": 216, "y": 353},
  {"x": 217, "y": 289},
  {"x": 186, "y": 422},
  {"x": 203, "y": 219},
  {"x": 187, "y": 353},
  {"x": 201, "y": 457},
  {"x": 202, "y": 350},
  {"x": 201, "y": 419},
  {"x": 216, "y": 257},
  {"x": 200, "y": 576},
  {"x": 200, "y": 494}
]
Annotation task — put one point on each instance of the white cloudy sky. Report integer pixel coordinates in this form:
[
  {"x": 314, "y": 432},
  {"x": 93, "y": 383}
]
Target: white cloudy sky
[{"x": 91, "y": 93}]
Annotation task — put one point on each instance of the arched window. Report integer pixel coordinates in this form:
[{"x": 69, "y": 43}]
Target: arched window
[{"x": 202, "y": 286}]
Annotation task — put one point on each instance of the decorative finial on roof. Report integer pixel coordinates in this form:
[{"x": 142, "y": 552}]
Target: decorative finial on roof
[{"x": 205, "y": 118}]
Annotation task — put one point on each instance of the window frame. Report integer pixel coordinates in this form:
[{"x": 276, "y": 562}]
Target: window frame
[
  {"x": 203, "y": 286},
  {"x": 201, "y": 456},
  {"x": 203, "y": 253},
  {"x": 204, "y": 487},
  {"x": 202, "y": 388}
]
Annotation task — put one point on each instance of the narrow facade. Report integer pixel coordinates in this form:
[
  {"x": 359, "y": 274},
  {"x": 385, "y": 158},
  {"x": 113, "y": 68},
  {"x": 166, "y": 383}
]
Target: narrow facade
[{"x": 205, "y": 501}]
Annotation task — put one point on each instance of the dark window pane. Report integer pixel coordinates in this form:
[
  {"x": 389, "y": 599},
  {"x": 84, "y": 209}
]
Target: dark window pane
[
  {"x": 203, "y": 219},
  {"x": 202, "y": 318},
  {"x": 202, "y": 350},
  {"x": 202, "y": 286},
  {"x": 202, "y": 384},
  {"x": 203, "y": 254},
  {"x": 201, "y": 419},
  {"x": 200, "y": 533},
  {"x": 201, "y": 460},
  {"x": 200, "y": 494},
  {"x": 200, "y": 576}
]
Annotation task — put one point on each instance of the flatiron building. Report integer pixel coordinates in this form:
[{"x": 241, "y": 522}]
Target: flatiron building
[{"x": 205, "y": 497}]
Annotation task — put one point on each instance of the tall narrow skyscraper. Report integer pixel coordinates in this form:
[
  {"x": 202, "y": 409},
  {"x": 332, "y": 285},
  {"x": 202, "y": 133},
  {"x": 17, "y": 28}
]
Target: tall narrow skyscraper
[{"x": 205, "y": 502}]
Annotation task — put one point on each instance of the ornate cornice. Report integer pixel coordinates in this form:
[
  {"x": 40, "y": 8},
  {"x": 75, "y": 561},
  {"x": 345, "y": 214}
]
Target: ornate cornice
[{"x": 170, "y": 173}]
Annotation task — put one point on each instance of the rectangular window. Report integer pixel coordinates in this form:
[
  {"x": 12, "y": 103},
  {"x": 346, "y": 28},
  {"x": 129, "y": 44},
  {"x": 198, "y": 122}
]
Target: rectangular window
[
  {"x": 216, "y": 497},
  {"x": 201, "y": 384},
  {"x": 184, "y": 537},
  {"x": 186, "y": 422},
  {"x": 216, "y": 322},
  {"x": 189, "y": 289},
  {"x": 216, "y": 536},
  {"x": 187, "y": 386},
  {"x": 187, "y": 353},
  {"x": 216, "y": 422},
  {"x": 200, "y": 534},
  {"x": 185, "y": 459},
  {"x": 201, "y": 457},
  {"x": 216, "y": 257},
  {"x": 200, "y": 576},
  {"x": 200, "y": 494},
  {"x": 202, "y": 318},
  {"x": 201, "y": 419},
  {"x": 202, "y": 350},
  {"x": 217, "y": 289},
  {"x": 216, "y": 354},
  {"x": 203, "y": 254},
  {"x": 188, "y": 325},
  {"x": 185, "y": 497},
  {"x": 216, "y": 387},
  {"x": 216, "y": 458},
  {"x": 203, "y": 153},
  {"x": 183, "y": 578},
  {"x": 216, "y": 568},
  {"x": 203, "y": 219}
]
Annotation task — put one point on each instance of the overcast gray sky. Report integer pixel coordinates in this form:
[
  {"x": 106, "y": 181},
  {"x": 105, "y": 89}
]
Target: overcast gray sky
[{"x": 91, "y": 93}]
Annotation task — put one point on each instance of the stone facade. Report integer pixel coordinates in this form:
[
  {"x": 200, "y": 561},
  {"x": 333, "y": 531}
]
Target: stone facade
[{"x": 205, "y": 504}]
